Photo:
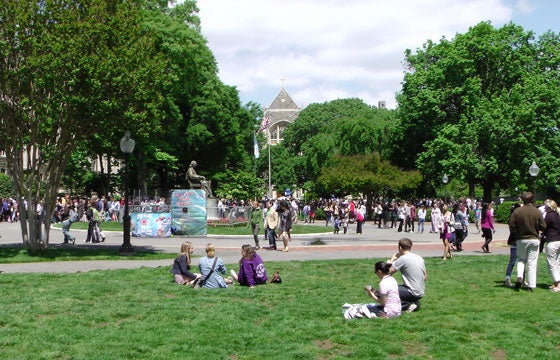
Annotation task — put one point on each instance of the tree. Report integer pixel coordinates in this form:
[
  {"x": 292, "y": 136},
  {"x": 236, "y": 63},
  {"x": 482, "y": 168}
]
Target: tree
[
  {"x": 64, "y": 63},
  {"x": 471, "y": 107},
  {"x": 368, "y": 175},
  {"x": 339, "y": 127}
]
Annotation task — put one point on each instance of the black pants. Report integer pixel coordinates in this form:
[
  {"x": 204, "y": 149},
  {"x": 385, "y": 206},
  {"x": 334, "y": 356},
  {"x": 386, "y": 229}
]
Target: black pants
[{"x": 407, "y": 298}]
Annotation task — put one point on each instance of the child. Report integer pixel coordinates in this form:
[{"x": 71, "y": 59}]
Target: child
[
  {"x": 336, "y": 225},
  {"x": 388, "y": 294},
  {"x": 345, "y": 222},
  {"x": 72, "y": 218}
]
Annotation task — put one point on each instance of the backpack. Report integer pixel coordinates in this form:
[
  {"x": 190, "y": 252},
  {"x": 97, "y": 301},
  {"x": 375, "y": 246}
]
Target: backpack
[{"x": 89, "y": 213}]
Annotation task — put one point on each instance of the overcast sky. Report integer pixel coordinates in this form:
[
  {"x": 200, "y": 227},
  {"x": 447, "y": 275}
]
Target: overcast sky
[{"x": 332, "y": 49}]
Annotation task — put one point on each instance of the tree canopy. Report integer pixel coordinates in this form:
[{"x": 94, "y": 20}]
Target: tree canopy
[
  {"x": 341, "y": 127},
  {"x": 481, "y": 107},
  {"x": 80, "y": 73}
]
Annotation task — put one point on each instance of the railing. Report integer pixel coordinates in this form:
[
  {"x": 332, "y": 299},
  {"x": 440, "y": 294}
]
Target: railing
[
  {"x": 228, "y": 216},
  {"x": 216, "y": 216}
]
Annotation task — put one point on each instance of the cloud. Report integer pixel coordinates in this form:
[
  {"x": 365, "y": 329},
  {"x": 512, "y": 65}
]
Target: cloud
[{"x": 329, "y": 49}]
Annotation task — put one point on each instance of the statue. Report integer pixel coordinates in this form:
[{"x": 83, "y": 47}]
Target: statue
[{"x": 198, "y": 181}]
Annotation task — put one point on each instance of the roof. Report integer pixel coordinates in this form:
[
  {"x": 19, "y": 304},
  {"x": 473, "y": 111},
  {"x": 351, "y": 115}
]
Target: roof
[{"x": 283, "y": 101}]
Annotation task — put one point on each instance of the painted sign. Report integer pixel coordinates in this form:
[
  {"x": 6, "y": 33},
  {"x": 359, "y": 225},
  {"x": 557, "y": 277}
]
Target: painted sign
[
  {"x": 150, "y": 224},
  {"x": 188, "y": 212}
]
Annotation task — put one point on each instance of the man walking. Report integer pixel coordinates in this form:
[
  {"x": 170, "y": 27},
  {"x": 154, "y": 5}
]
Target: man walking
[
  {"x": 526, "y": 222},
  {"x": 414, "y": 275}
]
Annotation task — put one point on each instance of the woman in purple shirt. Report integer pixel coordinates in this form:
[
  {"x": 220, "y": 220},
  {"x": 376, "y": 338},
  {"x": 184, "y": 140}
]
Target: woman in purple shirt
[
  {"x": 251, "y": 268},
  {"x": 487, "y": 225}
]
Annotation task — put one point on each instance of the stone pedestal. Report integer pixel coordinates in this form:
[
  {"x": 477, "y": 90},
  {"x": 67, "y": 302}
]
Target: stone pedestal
[{"x": 212, "y": 208}]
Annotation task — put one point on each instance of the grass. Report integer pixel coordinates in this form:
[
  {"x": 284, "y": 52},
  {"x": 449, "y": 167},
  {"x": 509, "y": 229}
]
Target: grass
[
  {"x": 143, "y": 314},
  {"x": 18, "y": 254}
]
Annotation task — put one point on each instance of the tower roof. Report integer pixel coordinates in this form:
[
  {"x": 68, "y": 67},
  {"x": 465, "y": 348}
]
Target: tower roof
[{"x": 283, "y": 101}]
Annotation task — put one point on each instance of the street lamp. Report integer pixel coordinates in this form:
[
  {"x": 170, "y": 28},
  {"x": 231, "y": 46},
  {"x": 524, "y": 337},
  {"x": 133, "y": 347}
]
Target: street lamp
[
  {"x": 534, "y": 171},
  {"x": 127, "y": 147},
  {"x": 445, "y": 180}
]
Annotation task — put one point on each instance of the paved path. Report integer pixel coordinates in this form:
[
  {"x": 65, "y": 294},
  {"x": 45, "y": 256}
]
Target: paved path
[{"x": 374, "y": 243}]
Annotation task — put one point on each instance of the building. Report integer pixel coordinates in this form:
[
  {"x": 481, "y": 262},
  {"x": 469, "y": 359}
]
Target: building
[{"x": 281, "y": 113}]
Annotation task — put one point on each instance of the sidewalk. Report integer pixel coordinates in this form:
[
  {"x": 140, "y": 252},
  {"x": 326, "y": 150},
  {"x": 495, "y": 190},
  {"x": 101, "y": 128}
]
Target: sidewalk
[{"x": 373, "y": 243}]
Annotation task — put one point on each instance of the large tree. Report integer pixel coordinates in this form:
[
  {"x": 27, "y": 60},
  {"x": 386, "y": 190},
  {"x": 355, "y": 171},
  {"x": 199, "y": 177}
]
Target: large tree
[
  {"x": 369, "y": 175},
  {"x": 339, "y": 127},
  {"x": 472, "y": 107},
  {"x": 65, "y": 66}
]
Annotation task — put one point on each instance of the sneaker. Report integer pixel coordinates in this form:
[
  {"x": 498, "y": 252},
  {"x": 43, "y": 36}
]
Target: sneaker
[
  {"x": 555, "y": 289},
  {"x": 233, "y": 274},
  {"x": 508, "y": 283},
  {"x": 518, "y": 283},
  {"x": 411, "y": 308}
]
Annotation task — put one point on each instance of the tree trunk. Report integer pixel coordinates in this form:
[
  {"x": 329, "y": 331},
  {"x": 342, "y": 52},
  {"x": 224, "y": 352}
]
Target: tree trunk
[{"x": 487, "y": 191}]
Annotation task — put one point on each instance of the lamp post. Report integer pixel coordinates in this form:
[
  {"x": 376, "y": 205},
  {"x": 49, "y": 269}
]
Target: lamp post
[
  {"x": 127, "y": 147},
  {"x": 534, "y": 171},
  {"x": 445, "y": 180}
]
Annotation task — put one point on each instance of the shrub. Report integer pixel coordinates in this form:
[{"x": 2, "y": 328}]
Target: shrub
[{"x": 502, "y": 211}]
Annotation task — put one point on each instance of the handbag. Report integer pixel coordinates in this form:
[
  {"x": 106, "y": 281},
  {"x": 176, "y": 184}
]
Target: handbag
[{"x": 200, "y": 283}]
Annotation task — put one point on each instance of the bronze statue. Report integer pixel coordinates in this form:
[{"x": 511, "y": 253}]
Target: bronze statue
[{"x": 198, "y": 181}]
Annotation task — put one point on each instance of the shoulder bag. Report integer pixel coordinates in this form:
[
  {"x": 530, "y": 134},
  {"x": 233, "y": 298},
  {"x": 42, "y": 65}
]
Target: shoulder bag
[{"x": 199, "y": 283}]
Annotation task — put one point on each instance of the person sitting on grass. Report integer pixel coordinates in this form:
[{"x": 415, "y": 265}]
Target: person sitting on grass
[
  {"x": 251, "y": 268},
  {"x": 389, "y": 303},
  {"x": 414, "y": 275},
  {"x": 182, "y": 266},
  {"x": 212, "y": 268}
]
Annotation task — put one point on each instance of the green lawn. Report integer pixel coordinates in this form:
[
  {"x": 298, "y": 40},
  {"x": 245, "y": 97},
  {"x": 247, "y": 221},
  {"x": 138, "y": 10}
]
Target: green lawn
[
  {"x": 18, "y": 254},
  {"x": 143, "y": 314}
]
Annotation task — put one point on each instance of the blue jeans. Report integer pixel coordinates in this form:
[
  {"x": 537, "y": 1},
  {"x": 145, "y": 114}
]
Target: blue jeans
[
  {"x": 271, "y": 237},
  {"x": 407, "y": 297},
  {"x": 512, "y": 258}
]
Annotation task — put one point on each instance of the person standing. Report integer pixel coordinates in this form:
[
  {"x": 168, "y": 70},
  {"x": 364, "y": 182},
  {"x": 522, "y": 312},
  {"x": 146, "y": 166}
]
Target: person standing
[
  {"x": 414, "y": 275},
  {"x": 477, "y": 216},
  {"x": 447, "y": 231},
  {"x": 421, "y": 218},
  {"x": 270, "y": 224},
  {"x": 460, "y": 226},
  {"x": 256, "y": 221},
  {"x": 487, "y": 225},
  {"x": 436, "y": 217},
  {"x": 512, "y": 251},
  {"x": 552, "y": 237},
  {"x": 412, "y": 216},
  {"x": 285, "y": 224},
  {"x": 526, "y": 222},
  {"x": 359, "y": 221}
]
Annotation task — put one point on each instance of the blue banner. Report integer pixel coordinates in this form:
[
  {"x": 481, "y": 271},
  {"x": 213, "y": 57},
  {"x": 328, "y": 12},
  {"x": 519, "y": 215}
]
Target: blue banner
[
  {"x": 188, "y": 212},
  {"x": 150, "y": 224}
]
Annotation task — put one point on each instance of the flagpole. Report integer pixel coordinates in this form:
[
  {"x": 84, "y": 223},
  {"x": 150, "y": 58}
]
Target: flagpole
[{"x": 269, "y": 167}]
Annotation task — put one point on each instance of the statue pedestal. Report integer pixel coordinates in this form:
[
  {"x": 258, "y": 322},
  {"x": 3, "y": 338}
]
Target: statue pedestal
[{"x": 212, "y": 208}]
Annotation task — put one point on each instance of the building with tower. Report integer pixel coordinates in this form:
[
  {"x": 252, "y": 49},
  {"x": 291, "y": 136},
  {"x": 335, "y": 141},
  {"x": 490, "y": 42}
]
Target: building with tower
[{"x": 281, "y": 113}]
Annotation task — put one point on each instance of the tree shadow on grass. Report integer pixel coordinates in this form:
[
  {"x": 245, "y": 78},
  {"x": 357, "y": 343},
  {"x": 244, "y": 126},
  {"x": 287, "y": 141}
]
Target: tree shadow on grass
[{"x": 61, "y": 252}]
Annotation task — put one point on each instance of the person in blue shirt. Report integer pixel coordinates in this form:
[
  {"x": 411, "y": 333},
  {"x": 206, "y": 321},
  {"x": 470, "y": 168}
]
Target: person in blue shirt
[{"x": 212, "y": 269}]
